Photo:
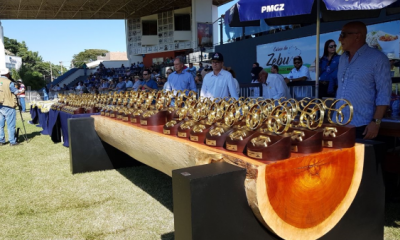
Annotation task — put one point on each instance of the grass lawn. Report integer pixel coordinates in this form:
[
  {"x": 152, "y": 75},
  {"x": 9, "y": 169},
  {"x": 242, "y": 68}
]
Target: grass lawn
[{"x": 41, "y": 199}]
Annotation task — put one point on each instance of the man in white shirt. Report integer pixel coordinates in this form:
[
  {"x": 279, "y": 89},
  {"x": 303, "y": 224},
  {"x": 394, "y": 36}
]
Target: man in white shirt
[
  {"x": 274, "y": 86},
  {"x": 299, "y": 73},
  {"x": 219, "y": 82}
]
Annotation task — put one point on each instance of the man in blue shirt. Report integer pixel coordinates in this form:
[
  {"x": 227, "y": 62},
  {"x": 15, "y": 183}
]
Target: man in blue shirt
[
  {"x": 192, "y": 70},
  {"x": 299, "y": 73},
  {"x": 363, "y": 79},
  {"x": 128, "y": 83},
  {"x": 8, "y": 102},
  {"x": 120, "y": 85},
  {"x": 148, "y": 83},
  {"x": 219, "y": 83},
  {"x": 179, "y": 80}
]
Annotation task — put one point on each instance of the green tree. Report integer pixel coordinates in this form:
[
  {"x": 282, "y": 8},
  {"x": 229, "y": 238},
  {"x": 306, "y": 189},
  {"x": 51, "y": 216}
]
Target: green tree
[{"x": 88, "y": 55}]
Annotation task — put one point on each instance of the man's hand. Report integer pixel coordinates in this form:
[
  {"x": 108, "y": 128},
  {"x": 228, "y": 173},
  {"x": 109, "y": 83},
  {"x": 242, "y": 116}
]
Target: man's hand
[
  {"x": 371, "y": 131},
  {"x": 287, "y": 80}
]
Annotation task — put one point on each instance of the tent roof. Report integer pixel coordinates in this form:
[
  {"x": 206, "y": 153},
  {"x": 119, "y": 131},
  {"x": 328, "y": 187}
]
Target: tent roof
[{"x": 87, "y": 9}]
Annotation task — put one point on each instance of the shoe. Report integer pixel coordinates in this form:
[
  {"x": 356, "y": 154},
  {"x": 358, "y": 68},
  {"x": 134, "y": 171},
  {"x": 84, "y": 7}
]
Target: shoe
[{"x": 14, "y": 144}]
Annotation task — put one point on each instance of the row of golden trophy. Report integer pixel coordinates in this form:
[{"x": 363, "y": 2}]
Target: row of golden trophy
[{"x": 263, "y": 129}]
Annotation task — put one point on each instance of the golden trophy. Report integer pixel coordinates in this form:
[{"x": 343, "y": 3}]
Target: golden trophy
[
  {"x": 338, "y": 134},
  {"x": 218, "y": 133},
  {"x": 171, "y": 127},
  {"x": 213, "y": 114},
  {"x": 196, "y": 113},
  {"x": 306, "y": 133},
  {"x": 271, "y": 142},
  {"x": 158, "y": 116},
  {"x": 238, "y": 138}
]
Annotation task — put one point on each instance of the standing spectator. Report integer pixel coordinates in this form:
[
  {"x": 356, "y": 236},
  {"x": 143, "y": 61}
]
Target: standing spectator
[
  {"x": 198, "y": 79},
  {"x": 219, "y": 82},
  {"x": 65, "y": 87},
  {"x": 84, "y": 69},
  {"x": 179, "y": 80},
  {"x": 45, "y": 93},
  {"x": 363, "y": 79},
  {"x": 328, "y": 68},
  {"x": 299, "y": 73},
  {"x": 21, "y": 95},
  {"x": 7, "y": 108},
  {"x": 255, "y": 71},
  {"x": 200, "y": 67},
  {"x": 148, "y": 83}
]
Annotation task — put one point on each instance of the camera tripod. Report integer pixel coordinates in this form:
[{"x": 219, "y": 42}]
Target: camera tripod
[{"x": 23, "y": 123}]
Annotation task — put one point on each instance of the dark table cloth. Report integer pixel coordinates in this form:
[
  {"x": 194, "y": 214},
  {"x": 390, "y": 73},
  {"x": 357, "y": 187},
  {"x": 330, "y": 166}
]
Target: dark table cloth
[
  {"x": 43, "y": 121},
  {"x": 64, "y": 123}
]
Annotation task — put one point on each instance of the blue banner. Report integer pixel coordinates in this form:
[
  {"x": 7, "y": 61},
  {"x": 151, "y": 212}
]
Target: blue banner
[
  {"x": 265, "y": 9},
  {"x": 340, "y": 5},
  {"x": 262, "y": 9}
]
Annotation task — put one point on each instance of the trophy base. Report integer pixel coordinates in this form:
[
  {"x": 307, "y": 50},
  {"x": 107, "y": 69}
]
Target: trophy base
[
  {"x": 173, "y": 130},
  {"x": 277, "y": 147},
  {"x": 238, "y": 145},
  {"x": 92, "y": 110},
  {"x": 126, "y": 118},
  {"x": 196, "y": 136},
  {"x": 338, "y": 136},
  {"x": 156, "y": 119},
  {"x": 79, "y": 111},
  {"x": 135, "y": 119},
  {"x": 187, "y": 127},
  {"x": 113, "y": 114},
  {"x": 306, "y": 141},
  {"x": 119, "y": 116},
  {"x": 217, "y": 135}
]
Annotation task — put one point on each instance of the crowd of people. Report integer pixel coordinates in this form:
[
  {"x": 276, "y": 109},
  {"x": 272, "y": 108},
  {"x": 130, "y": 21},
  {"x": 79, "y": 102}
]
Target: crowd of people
[{"x": 218, "y": 80}]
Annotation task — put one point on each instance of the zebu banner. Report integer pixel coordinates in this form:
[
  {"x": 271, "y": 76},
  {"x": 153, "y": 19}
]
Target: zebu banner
[{"x": 383, "y": 36}]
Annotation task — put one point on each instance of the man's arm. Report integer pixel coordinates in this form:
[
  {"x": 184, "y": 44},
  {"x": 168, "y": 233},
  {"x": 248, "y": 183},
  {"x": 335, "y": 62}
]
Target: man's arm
[
  {"x": 192, "y": 84},
  {"x": 13, "y": 89},
  {"x": 232, "y": 88},
  {"x": 383, "y": 85}
]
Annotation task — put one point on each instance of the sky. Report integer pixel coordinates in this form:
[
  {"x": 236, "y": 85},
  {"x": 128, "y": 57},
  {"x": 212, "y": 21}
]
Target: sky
[{"x": 59, "y": 40}]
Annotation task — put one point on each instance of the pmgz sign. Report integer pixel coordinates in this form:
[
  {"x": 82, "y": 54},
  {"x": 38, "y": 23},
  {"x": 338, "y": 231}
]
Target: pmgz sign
[{"x": 273, "y": 8}]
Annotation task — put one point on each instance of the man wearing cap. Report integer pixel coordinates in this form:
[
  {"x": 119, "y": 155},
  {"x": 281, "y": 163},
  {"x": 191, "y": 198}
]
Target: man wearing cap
[
  {"x": 299, "y": 73},
  {"x": 21, "y": 94},
  {"x": 180, "y": 80},
  {"x": 8, "y": 102},
  {"x": 218, "y": 83}
]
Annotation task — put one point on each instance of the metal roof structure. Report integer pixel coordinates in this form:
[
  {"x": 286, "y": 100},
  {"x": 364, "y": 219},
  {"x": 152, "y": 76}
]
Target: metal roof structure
[{"x": 89, "y": 9}]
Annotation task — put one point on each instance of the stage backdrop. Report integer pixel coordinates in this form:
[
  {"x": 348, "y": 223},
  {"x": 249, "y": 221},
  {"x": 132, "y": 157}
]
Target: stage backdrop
[{"x": 384, "y": 36}]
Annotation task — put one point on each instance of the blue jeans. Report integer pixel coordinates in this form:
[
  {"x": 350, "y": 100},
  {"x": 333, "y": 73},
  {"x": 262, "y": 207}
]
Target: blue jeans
[
  {"x": 8, "y": 115},
  {"x": 22, "y": 102}
]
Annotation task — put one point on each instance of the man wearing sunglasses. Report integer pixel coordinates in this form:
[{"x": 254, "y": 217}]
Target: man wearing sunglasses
[
  {"x": 218, "y": 83},
  {"x": 363, "y": 79},
  {"x": 148, "y": 83},
  {"x": 299, "y": 73}
]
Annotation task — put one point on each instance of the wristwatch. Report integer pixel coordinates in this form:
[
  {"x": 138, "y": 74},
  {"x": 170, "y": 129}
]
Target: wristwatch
[
  {"x": 291, "y": 80},
  {"x": 377, "y": 121}
]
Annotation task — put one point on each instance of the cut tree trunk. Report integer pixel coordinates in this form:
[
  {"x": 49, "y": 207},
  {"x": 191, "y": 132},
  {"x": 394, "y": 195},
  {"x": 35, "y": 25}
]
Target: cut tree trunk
[{"x": 302, "y": 197}]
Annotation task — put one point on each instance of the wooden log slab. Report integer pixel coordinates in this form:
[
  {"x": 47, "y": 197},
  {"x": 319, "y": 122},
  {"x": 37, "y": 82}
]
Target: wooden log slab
[{"x": 302, "y": 197}]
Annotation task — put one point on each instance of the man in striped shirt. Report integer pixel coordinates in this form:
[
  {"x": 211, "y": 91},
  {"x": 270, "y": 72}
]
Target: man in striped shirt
[{"x": 363, "y": 79}]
